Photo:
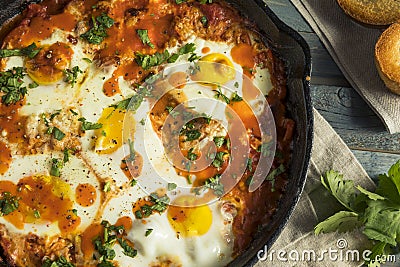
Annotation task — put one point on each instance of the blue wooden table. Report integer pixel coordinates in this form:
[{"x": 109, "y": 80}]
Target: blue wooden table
[{"x": 340, "y": 104}]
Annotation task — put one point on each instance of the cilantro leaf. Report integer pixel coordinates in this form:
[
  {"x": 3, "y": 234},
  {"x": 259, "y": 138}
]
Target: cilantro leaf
[
  {"x": 171, "y": 186},
  {"x": 219, "y": 94},
  {"x": 30, "y": 51},
  {"x": 215, "y": 184},
  {"x": 144, "y": 37},
  {"x": 127, "y": 249},
  {"x": 58, "y": 134},
  {"x": 98, "y": 32},
  {"x": 8, "y": 203},
  {"x": 11, "y": 85},
  {"x": 60, "y": 262},
  {"x": 219, "y": 141},
  {"x": 89, "y": 125},
  {"x": 342, "y": 221},
  {"x": 71, "y": 75},
  {"x": 343, "y": 190}
]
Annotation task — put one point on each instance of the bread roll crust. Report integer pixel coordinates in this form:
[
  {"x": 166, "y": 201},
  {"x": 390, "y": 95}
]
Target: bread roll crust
[
  {"x": 376, "y": 12},
  {"x": 387, "y": 57}
]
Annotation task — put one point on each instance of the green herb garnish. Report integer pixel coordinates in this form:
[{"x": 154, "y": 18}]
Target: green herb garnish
[
  {"x": 144, "y": 37},
  {"x": 11, "y": 85},
  {"x": 8, "y": 203},
  {"x": 56, "y": 166},
  {"x": 148, "y": 232},
  {"x": 86, "y": 126},
  {"x": 219, "y": 159},
  {"x": 30, "y": 51},
  {"x": 60, "y": 262},
  {"x": 98, "y": 32},
  {"x": 171, "y": 186},
  {"x": 190, "y": 155},
  {"x": 220, "y": 95},
  {"x": 71, "y": 75},
  {"x": 192, "y": 135},
  {"x": 215, "y": 184}
]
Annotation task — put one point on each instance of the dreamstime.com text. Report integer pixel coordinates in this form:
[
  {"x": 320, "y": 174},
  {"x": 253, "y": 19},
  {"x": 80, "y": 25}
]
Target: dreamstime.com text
[{"x": 339, "y": 253}]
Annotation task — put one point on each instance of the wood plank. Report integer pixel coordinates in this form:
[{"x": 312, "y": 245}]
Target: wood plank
[
  {"x": 376, "y": 163},
  {"x": 325, "y": 70},
  {"x": 353, "y": 119}
]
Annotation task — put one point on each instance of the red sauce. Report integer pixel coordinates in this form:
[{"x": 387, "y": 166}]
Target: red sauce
[
  {"x": 38, "y": 195},
  {"x": 126, "y": 221},
  {"x": 5, "y": 158},
  {"x": 87, "y": 238},
  {"x": 11, "y": 123},
  {"x": 85, "y": 195},
  {"x": 132, "y": 169},
  {"x": 205, "y": 50},
  {"x": 40, "y": 28},
  {"x": 244, "y": 55}
]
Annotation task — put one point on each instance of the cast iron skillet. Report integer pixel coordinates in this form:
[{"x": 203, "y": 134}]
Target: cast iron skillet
[{"x": 294, "y": 51}]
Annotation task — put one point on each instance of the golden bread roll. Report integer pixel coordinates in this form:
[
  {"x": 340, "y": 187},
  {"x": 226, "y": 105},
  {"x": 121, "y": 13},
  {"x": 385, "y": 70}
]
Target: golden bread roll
[
  {"x": 387, "y": 57},
  {"x": 376, "y": 12}
]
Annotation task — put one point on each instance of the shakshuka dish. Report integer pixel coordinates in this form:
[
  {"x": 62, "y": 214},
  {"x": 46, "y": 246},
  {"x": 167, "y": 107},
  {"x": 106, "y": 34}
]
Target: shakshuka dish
[{"x": 138, "y": 133}]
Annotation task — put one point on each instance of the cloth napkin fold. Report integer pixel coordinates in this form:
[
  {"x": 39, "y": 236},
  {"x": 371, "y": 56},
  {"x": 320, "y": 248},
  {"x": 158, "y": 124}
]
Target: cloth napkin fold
[
  {"x": 352, "y": 47},
  {"x": 316, "y": 204}
]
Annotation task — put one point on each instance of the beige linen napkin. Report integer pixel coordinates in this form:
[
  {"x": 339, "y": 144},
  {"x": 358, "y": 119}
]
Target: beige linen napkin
[
  {"x": 352, "y": 45},
  {"x": 329, "y": 152}
]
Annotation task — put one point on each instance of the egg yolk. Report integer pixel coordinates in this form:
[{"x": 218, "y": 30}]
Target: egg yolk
[
  {"x": 48, "y": 65},
  {"x": 187, "y": 219},
  {"x": 42, "y": 199},
  {"x": 220, "y": 72},
  {"x": 109, "y": 137}
]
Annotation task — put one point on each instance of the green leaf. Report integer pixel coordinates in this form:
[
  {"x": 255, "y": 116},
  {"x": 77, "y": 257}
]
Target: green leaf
[
  {"x": 60, "y": 262},
  {"x": 192, "y": 135},
  {"x": 144, "y": 37},
  {"x": 98, "y": 32},
  {"x": 236, "y": 98},
  {"x": 219, "y": 141},
  {"x": 89, "y": 125},
  {"x": 71, "y": 75},
  {"x": 220, "y": 95},
  {"x": 8, "y": 203},
  {"x": 191, "y": 156},
  {"x": 343, "y": 221},
  {"x": 11, "y": 85},
  {"x": 187, "y": 48},
  {"x": 56, "y": 167},
  {"x": 215, "y": 184},
  {"x": 127, "y": 249},
  {"x": 171, "y": 186},
  {"x": 370, "y": 195},
  {"x": 219, "y": 159},
  {"x": 343, "y": 190},
  {"x": 30, "y": 51},
  {"x": 148, "y": 232},
  {"x": 58, "y": 134},
  {"x": 382, "y": 222}
]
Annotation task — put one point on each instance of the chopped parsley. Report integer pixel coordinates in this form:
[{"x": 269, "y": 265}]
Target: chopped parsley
[
  {"x": 107, "y": 187},
  {"x": 265, "y": 149},
  {"x": 190, "y": 155},
  {"x": 133, "y": 182},
  {"x": 127, "y": 249},
  {"x": 56, "y": 166},
  {"x": 36, "y": 213},
  {"x": 30, "y": 51},
  {"x": 98, "y": 32},
  {"x": 204, "y": 21},
  {"x": 8, "y": 203},
  {"x": 86, "y": 126},
  {"x": 104, "y": 246},
  {"x": 159, "y": 204},
  {"x": 193, "y": 57},
  {"x": 171, "y": 111},
  {"x": 219, "y": 141},
  {"x": 33, "y": 85},
  {"x": 148, "y": 232},
  {"x": 192, "y": 135},
  {"x": 132, "y": 152},
  {"x": 67, "y": 154},
  {"x": 11, "y": 85},
  {"x": 215, "y": 184},
  {"x": 57, "y": 133},
  {"x": 275, "y": 172},
  {"x": 71, "y": 75},
  {"x": 88, "y": 60},
  {"x": 180, "y": 1},
  {"x": 236, "y": 98},
  {"x": 133, "y": 103},
  {"x": 236, "y": 85},
  {"x": 219, "y": 159},
  {"x": 60, "y": 262},
  {"x": 171, "y": 186},
  {"x": 149, "y": 61},
  {"x": 144, "y": 37},
  {"x": 220, "y": 95},
  {"x": 142, "y": 122},
  {"x": 250, "y": 164}
]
